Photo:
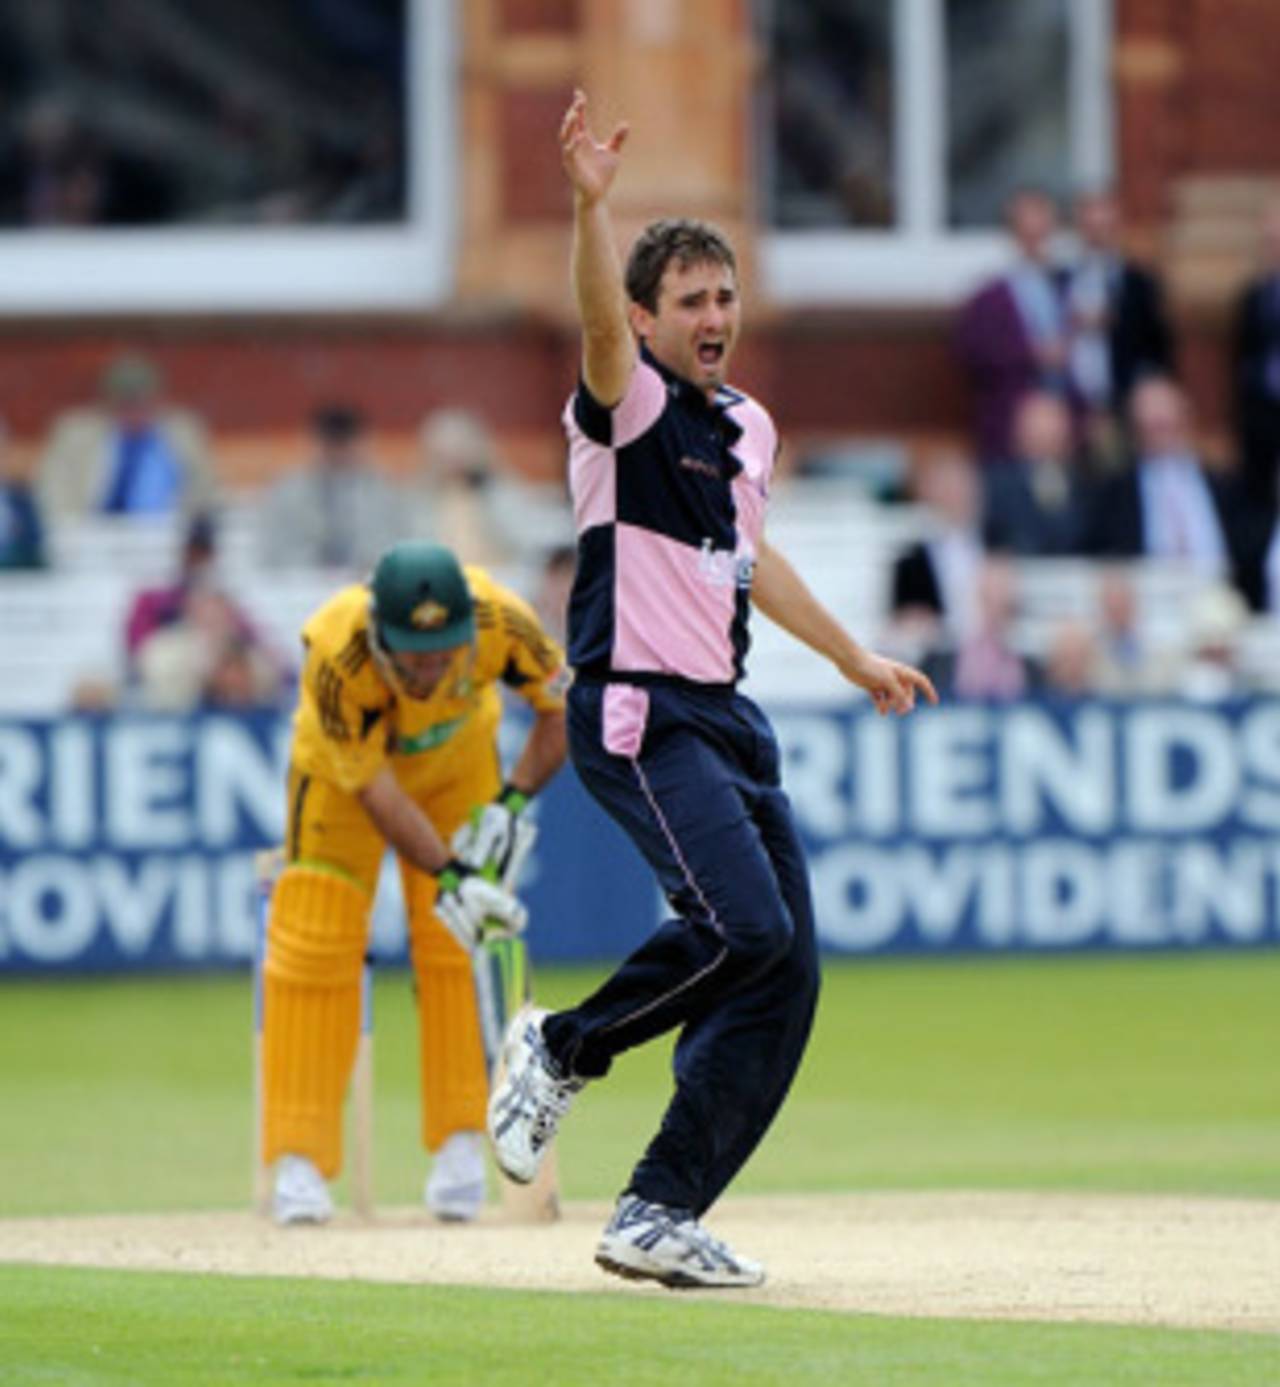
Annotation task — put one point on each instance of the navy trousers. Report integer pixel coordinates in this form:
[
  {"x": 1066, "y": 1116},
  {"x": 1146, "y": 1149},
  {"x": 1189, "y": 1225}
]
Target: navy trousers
[{"x": 692, "y": 776}]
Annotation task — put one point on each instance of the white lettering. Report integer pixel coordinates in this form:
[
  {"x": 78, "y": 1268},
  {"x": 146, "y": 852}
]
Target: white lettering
[
  {"x": 20, "y": 771},
  {"x": 1199, "y": 742},
  {"x": 951, "y": 778},
  {"x": 147, "y": 786},
  {"x": 1260, "y": 751},
  {"x": 857, "y": 897},
  {"x": 234, "y": 777},
  {"x": 1040, "y": 768},
  {"x": 877, "y": 797},
  {"x": 51, "y": 910},
  {"x": 1062, "y": 892},
  {"x": 73, "y": 809},
  {"x": 133, "y": 908}
]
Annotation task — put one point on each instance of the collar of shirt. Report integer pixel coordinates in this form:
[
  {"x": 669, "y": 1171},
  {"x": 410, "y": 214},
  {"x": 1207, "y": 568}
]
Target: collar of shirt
[{"x": 694, "y": 399}]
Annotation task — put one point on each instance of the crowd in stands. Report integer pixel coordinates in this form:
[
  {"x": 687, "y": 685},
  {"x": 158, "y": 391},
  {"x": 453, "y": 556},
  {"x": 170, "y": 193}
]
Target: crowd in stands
[
  {"x": 1085, "y": 447},
  {"x": 1085, "y": 451}
]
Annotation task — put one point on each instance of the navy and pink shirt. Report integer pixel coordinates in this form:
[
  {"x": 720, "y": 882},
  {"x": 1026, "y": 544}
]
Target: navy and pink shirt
[{"x": 669, "y": 492}]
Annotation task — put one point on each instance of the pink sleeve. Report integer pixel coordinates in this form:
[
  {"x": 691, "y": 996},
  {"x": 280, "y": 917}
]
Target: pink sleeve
[{"x": 640, "y": 408}]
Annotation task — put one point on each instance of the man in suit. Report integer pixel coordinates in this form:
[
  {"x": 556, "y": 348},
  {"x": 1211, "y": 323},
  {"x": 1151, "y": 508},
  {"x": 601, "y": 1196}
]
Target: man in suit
[
  {"x": 1037, "y": 503},
  {"x": 1167, "y": 505},
  {"x": 1119, "y": 329},
  {"x": 336, "y": 511},
  {"x": 131, "y": 454},
  {"x": 1012, "y": 335},
  {"x": 1255, "y": 360}
]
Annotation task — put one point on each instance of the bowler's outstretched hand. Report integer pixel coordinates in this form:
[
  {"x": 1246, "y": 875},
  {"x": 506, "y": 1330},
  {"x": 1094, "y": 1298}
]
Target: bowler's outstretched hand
[
  {"x": 591, "y": 166},
  {"x": 893, "y": 686}
]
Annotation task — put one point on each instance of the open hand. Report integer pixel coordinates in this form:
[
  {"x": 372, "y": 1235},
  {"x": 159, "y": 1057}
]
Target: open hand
[
  {"x": 892, "y": 686},
  {"x": 590, "y": 165}
]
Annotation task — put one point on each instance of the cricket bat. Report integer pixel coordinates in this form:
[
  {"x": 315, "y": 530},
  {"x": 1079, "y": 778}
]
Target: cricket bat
[{"x": 504, "y": 983}]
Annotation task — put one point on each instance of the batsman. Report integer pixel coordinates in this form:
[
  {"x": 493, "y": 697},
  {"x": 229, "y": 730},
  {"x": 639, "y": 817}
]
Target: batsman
[{"x": 395, "y": 743}]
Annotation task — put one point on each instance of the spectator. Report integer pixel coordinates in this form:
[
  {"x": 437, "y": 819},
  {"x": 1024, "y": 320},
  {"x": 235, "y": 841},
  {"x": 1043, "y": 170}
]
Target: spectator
[
  {"x": 1255, "y": 362},
  {"x": 987, "y": 663},
  {"x": 1012, "y": 335},
  {"x": 209, "y": 658},
  {"x": 339, "y": 510},
  {"x": 155, "y": 607},
  {"x": 187, "y": 642},
  {"x": 1119, "y": 328},
  {"x": 1127, "y": 665},
  {"x": 128, "y": 455},
  {"x": 1071, "y": 663},
  {"x": 933, "y": 582},
  {"x": 1168, "y": 505},
  {"x": 1038, "y": 502},
  {"x": 470, "y": 501},
  {"x": 1210, "y": 669},
  {"x": 21, "y": 533}
]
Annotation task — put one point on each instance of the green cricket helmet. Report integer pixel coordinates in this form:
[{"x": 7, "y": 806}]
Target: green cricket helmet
[{"x": 420, "y": 599}]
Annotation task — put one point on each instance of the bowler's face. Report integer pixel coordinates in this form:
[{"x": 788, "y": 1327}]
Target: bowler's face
[{"x": 696, "y": 325}]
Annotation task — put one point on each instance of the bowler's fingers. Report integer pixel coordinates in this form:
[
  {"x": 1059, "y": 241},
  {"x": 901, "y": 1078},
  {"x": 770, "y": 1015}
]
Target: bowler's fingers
[{"x": 618, "y": 138}]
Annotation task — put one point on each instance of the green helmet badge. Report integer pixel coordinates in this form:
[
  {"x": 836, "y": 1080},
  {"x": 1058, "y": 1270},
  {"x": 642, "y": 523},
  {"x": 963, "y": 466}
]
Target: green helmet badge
[{"x": 420, "y": 599}]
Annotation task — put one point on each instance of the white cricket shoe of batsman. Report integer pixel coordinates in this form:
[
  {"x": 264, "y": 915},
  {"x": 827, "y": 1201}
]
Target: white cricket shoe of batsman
[
  {"x": 301, "y": 1194},
  {"x": 529, "y": 1101},
  {"x": 455, "y": 1188},
  {"x": 653, "y": 1242}
]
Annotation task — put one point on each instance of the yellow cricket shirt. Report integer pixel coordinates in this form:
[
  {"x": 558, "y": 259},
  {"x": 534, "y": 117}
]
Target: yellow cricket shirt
[{"x": 351, "y": 721}]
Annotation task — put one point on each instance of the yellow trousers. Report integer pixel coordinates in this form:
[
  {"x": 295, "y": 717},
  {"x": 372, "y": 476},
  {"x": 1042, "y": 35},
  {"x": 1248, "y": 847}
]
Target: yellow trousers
[{"x": 317, "y": 935}]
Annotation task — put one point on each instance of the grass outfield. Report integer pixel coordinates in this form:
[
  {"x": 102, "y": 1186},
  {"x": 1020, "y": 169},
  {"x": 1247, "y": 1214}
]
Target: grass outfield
[
  {"x": 133, "y": 1329},
  {"x": 1123, "y": 1074},
  {"x": 1127, "y": 1074}
]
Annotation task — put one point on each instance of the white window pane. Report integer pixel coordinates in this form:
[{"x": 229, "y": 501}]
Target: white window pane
[
  {"x": 827, "y": 142},
  {"x": 203, "y": 113},
  {"x": 1008, "y": 108}
]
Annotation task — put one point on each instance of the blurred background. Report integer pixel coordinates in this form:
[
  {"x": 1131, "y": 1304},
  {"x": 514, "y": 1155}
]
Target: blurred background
[{"x": 283, "y": 283}]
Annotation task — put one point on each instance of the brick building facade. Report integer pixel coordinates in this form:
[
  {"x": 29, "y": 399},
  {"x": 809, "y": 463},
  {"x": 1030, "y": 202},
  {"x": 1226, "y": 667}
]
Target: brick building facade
[{"x": 1196, "y": 104}]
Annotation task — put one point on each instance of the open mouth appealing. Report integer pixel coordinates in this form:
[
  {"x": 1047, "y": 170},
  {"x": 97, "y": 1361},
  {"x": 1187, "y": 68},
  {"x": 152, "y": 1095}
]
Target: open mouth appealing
[{"x": 710, "y": 353}]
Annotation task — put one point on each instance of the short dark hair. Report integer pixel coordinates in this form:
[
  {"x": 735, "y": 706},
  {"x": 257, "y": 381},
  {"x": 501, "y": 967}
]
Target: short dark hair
[
  {"x": 337, "y": 423},
  {"x": 682, "y": 239}
]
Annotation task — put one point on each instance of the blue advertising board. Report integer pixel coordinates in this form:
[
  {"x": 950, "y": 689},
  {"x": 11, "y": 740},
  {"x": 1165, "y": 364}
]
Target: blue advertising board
[{"x": 129, "y": 843}]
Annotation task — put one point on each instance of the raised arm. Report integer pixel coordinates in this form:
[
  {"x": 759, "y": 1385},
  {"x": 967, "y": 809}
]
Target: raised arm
[
  {"x": 608, "y": 347},
  {"x": 782, "y": 595}
]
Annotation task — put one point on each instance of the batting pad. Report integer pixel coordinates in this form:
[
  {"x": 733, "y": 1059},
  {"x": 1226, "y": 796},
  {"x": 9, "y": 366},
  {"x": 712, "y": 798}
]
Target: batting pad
[
  {"x": 455, "y": 1088},
  {"x": 316, "y": 938}
]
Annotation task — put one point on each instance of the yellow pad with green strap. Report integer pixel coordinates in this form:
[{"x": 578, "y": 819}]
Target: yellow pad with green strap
[{"x": 316, "y": 939}]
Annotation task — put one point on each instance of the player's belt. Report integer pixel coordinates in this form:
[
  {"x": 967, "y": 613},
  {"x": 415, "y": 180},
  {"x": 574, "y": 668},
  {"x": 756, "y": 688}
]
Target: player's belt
[{"x": 429, "y": 738}]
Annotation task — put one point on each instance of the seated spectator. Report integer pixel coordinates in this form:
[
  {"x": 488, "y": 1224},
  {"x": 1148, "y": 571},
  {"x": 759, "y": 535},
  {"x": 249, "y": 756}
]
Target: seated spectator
[
  {"x": 338, "y": 510},
  {"x": 987, "y": 663},
  {"x": 164, "y": 604},
  {"x": 21, "y": 533},
  {"x": 181, "y": 636},
  {"x": 1071, "y": 662},
  {"x": 128, "y": 455},
  {"x": 1210, "y": 669},
  {"x": 1118, "y": 328},
  {"x": 1168, "y": 505},
  {"x": 933, "y": 582},
  {"x": 1038, "y": 502},
  {"x": 209, "y": 658},
  {"x": 1255, "y": 368},
  {"x": 470, "y": 499},
  {"x": 1012, "y": 335},
  {"x": 1127, "y": 665}
]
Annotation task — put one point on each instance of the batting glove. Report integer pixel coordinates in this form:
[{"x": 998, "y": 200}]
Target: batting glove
[
  {"x": 486, "y": 841},
  {"x": 473, "y": 907}
]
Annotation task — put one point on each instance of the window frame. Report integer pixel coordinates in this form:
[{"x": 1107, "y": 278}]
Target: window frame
[
  {"x": 59, "y": 273},
  {"x": 922, "y": 262}
]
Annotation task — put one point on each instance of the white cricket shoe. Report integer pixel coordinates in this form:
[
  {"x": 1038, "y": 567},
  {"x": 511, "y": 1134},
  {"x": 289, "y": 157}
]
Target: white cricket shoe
[
  {"x": 530, "y": 1100},
  {"x": 301, "y": 1194},
  {"x": 652, "y": 1242},
  {"x": 455, "y": 1188}
]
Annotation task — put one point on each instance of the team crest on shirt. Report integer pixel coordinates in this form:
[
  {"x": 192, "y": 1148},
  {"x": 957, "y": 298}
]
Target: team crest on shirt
[
  {"x": 429, "y": 615},
  {"x": 722, "y": 568}
]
